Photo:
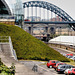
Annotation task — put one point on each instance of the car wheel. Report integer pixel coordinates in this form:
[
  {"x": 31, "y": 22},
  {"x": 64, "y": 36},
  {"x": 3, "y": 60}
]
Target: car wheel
[{"x": 50, "y": 66}]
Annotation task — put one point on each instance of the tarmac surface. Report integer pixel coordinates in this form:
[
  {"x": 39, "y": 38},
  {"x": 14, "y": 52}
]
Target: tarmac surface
[{"x": 19, "y": 68}]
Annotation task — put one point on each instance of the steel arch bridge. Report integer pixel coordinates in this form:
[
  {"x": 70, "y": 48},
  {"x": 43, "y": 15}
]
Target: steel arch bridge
[{"x": 52, "y": 8}]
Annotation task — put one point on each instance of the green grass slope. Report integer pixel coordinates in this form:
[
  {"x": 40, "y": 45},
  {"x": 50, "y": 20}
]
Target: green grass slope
[{"x": 28, "y": 47}]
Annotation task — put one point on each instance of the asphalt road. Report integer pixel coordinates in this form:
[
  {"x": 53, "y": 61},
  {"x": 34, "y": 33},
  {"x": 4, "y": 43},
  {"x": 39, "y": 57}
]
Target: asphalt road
[
  {"x": 41, "y": 69},
  {"x": 63, "y": 51}
]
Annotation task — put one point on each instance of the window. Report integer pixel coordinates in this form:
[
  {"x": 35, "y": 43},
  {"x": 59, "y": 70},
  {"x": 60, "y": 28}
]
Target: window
[{"x": 53, "y": 61}]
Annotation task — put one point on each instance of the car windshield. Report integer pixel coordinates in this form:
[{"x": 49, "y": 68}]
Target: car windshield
[
  {"x": 60, "y": 64},
  {"x": 53, "y": 61},
  {"x": 57, "y": 62}
]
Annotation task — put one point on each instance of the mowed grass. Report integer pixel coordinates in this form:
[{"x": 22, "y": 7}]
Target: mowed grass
[
  {"x": 72, "y": 62},
  {"x": 27, "y": 47}
]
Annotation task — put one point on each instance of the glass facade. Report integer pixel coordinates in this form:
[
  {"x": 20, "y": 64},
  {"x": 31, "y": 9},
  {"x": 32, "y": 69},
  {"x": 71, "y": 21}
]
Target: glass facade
[
  {"x": 4, "y": 9},
  {"x": 18, "y": 7}
]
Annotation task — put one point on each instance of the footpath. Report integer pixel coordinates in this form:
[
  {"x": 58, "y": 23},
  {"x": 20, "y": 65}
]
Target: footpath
[{"x": 19, "y": 68}]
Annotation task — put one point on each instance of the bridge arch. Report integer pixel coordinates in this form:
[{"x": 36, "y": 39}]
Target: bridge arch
[{"x": 49, "y": 6}]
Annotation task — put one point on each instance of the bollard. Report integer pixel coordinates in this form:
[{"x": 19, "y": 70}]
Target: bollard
[{"x": 35, "y": 68}]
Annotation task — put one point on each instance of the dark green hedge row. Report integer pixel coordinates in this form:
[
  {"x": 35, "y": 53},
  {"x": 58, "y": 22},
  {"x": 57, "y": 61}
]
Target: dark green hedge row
[{"x": 28, "y": 47}]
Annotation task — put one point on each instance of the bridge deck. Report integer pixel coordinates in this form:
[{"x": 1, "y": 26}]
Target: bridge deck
[{"x": 45, "y": 22}]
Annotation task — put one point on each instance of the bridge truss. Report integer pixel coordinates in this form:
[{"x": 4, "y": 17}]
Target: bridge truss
[{"x": 66, "y": 19}]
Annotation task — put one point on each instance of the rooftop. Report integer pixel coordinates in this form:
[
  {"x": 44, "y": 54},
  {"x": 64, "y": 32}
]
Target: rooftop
[{"x": 65, "y": 40}]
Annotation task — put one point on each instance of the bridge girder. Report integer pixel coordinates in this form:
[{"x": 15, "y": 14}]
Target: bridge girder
[
  {"x": 52, "y": 8},
  {"x": 48, "y": 6}
]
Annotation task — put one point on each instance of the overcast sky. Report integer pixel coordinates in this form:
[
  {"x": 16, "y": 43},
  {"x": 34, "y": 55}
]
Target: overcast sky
[{"x": 67, "y": 5}]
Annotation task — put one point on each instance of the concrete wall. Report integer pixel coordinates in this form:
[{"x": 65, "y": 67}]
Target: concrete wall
[
  {"x": 8, "y": 21},
  {"x": 70, "y": 48}
]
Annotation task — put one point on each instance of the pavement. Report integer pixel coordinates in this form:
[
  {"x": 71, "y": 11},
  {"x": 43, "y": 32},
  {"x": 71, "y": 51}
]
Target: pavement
[
  {"x": 41, "y": 69},
  {"x": 20, "y": 68}
]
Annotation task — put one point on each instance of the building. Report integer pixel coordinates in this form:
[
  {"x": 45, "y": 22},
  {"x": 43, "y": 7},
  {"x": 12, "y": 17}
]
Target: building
[
  {"x": 5, "y": 8},
  {"x": 6, "y": 12}
]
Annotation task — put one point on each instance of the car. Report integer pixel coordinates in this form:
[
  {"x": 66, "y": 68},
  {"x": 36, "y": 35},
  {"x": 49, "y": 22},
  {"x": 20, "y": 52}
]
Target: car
[
  {"x": 26, "y": 20},
  {"x": 69, "y": 54},
  {"x": 73, "y": 58},
  {"x": 62, "y": 68},
  {"x": 51, "y": 63},
  {"x": 60, "y": 63},
  {"x": 70, "y": 71},
  {"x": 66, "y": 71}
]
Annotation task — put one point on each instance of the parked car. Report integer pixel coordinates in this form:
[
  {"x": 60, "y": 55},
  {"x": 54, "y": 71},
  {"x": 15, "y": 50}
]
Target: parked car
[
  {"x": 70, "y": 72},
  {"x": 60, "y": 63},
  {"x": 62, "y": 68},
  {"x": 73, "y": 58},
  {"x": 26, "y": 20},
  {"x": 66, "y": 71},
  {"x": 51, "y": 63},
  {"x": 69, "y": 54}
]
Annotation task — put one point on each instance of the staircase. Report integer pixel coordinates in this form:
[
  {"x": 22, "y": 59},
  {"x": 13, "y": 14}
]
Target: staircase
[
  {"x": 6, "y": 46},
  {"x": 8, "y": 56}
]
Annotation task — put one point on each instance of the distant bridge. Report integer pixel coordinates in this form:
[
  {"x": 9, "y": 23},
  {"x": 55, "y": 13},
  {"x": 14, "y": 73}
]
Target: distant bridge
[
  {"x": 47, "y": 11},
  {"x": 45, "y": 14}
]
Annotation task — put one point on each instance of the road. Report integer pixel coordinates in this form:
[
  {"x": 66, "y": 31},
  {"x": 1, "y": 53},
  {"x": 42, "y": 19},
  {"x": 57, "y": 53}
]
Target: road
[
  {"x": 63, "y": 51},
  {"x": 41, "y": 69}
]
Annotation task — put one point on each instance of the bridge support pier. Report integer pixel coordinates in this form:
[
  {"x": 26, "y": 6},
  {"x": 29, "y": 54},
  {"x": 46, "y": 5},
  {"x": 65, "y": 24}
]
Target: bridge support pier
[
  {"x": 31, "y": 30},
  {"x": 47, "y": 30}
]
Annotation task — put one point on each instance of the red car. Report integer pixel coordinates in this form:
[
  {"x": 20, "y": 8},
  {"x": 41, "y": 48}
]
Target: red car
[
  {"x": 51, "y": 63},
  {"x": 69, "y": 54},
  {"x": 55, "y": 67},
  {"x": 26, "y": 20},
  {"x": 71, "y": 71}
]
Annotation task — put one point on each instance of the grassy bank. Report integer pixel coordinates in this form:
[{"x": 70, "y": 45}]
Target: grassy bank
[{"x": 28, "y": 47}]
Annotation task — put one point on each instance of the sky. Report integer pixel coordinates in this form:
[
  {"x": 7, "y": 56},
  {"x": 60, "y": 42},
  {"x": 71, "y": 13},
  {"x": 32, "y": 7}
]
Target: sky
[{"x": 67, "y": 5}]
